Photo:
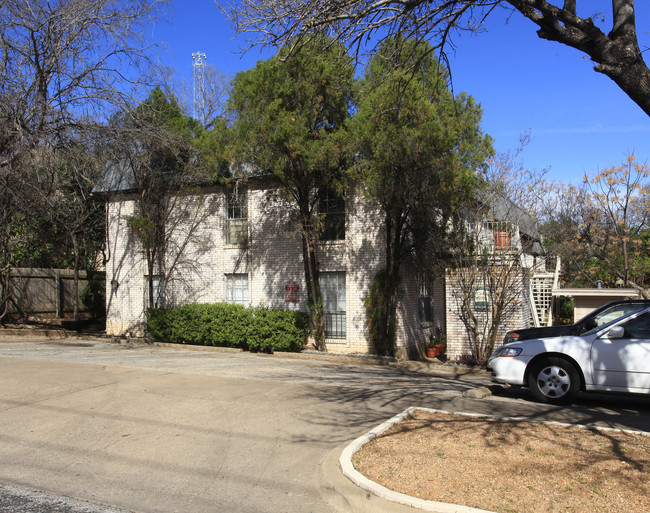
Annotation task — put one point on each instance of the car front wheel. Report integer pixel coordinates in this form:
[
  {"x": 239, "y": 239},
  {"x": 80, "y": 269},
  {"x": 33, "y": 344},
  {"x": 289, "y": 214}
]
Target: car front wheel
[{"x": 554, "y": 381}]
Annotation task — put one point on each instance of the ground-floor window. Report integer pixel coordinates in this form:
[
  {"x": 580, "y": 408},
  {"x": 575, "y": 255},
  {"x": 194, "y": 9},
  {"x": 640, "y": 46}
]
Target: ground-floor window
[
  {"x": 333, "y": 291},
  {"x": 482, "y": 299},
  {"x": 237, "y": 289},
  {"x": 425, "y": 300}
]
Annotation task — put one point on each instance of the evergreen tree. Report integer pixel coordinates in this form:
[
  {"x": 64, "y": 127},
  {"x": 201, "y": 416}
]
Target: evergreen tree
[
  {"x": 418, "y": 150},
  {"x": 290, "y": 115}
]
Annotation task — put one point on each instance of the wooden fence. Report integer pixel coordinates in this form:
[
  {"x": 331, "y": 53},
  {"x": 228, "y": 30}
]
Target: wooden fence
[{"x": 49, "y": 293}]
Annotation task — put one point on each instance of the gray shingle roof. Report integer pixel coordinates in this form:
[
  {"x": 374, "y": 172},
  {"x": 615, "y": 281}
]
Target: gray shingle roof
[{"x": 117, "y": 177}]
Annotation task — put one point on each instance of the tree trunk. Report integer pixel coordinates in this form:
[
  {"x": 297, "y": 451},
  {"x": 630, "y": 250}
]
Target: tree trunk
[
  {"x": 318, "y": 313},
  {"x": 150, "y": 264},
  {"x": 4, "y": 293},
  {"x": 314, "y": 296},
  {"x": 386, "y": 334},
  {"x": 626, "y": 264}
]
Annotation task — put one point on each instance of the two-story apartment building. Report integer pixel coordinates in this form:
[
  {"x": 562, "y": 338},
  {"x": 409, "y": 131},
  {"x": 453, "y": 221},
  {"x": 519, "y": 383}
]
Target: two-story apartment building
[{"x": 241, "y": 246}]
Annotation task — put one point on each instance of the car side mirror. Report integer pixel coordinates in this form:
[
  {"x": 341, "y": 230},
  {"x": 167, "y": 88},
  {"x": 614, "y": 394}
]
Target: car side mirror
[{"x": 616, "y": 332}]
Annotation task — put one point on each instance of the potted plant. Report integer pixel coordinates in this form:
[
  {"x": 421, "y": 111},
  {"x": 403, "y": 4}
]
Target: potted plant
[
  {"x": 432, "y": 352},
  {"x": 436, "y": 345},
  {"x": 440, "y": 344}
]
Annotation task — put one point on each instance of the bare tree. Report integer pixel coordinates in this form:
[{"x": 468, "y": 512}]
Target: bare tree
[
  {"x": 155, "y": 163},
  {"x": 214, "y": 94},
  {"x": 600, "y": 228},
  {"x": 615, "y": 51},
  {"x": 622, "y": 194},
  {"x": 508, "y": 176},
  {"x": 70, "y": 206},
  {"x": 66, "y": 59},
  {"x": 61, "y": 62},
  {"x": 497, "y": 270}
]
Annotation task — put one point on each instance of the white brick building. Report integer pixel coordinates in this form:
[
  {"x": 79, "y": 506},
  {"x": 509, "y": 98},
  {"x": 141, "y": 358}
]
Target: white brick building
[
  {"x": 248, "y": 252},
  {"x": 253, "y": 256}
]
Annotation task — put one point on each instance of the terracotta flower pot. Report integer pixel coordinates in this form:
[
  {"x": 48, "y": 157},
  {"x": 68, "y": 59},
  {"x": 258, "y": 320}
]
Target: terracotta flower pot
[{"x": 432, "y": 352}]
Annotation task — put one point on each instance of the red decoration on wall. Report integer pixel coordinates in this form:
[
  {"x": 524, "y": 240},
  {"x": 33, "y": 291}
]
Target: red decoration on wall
[{"x": 291, "y": 290}]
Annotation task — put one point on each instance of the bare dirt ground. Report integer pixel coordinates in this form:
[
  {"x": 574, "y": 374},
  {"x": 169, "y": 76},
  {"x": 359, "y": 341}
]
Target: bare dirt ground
[{"x": 511, "y": 466}]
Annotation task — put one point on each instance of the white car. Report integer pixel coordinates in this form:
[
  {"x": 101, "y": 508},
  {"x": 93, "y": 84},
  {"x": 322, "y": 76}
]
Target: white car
[{"x": 614, "y": 357}]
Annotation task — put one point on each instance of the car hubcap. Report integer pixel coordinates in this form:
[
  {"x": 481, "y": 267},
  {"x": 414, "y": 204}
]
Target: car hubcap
[{"x": 553, "y": 381}]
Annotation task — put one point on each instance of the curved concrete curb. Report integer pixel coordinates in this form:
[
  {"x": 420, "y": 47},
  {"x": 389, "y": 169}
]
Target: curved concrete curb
[
  {"x": 345, "y": 460},
  {"x": 381, "y": 491}
]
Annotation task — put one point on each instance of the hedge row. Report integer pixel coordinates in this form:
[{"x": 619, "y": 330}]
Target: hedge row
[{"x": 227, "y": 325}]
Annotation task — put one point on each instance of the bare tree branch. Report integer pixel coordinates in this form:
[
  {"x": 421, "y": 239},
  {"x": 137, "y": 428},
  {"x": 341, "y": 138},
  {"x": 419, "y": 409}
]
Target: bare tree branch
[
  {"x": 62, "y": 63},
  {"x": 362, "y": 24}
]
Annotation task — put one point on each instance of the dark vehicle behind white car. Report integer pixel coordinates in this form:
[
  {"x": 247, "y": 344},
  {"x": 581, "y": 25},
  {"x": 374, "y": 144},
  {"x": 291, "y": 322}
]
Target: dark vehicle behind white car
[
  {"x": 598, "y": 317},
  {"x": 614, "y": 357}
]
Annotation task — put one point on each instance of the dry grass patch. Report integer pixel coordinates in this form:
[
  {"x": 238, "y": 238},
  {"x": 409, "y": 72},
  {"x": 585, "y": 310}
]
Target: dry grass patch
[{"x": 510, "y": 466}]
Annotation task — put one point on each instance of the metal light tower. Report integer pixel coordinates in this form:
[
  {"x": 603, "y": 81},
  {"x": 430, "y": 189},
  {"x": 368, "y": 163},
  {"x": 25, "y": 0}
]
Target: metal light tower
[{"x": 198, "y": 64}]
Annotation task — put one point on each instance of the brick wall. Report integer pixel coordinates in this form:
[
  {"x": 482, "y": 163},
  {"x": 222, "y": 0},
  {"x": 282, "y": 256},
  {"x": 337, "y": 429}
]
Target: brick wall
[
  {"x": 518, "y": 315},
  {"x": 272, "y": 260}
]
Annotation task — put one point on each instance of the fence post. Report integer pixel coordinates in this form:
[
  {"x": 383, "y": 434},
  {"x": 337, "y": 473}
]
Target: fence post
[{"x": 59, "y": 295}]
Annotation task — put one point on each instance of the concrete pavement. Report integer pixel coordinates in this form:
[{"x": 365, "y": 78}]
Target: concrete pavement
[
  {"x": 147, "y": 428},
  {"x": 162, "y": 429}
]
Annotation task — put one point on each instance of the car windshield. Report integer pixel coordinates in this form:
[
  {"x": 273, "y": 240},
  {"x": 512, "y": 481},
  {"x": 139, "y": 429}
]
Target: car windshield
[
  {"x": 614, "y": 321},
  {"x": 611, "y": 313}
]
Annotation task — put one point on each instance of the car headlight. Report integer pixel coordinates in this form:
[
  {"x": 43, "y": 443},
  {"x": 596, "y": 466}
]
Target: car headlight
[{"x": 508, "y": 352}]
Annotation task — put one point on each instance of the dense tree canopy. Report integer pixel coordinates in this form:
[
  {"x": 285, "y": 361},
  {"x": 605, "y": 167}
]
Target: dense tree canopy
[
  {"x": 418, "y": 148},
  {"x": 289, "y": 116}
]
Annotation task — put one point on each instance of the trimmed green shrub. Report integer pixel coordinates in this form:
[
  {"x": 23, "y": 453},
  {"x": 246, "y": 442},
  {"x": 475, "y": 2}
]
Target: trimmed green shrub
[
  {"x": 228, "y": 325},
  {"x": 277, "y": 330}
]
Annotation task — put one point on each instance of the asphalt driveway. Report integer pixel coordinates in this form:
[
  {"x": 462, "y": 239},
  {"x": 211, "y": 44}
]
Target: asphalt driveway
[{"x": 163, "y": 429}]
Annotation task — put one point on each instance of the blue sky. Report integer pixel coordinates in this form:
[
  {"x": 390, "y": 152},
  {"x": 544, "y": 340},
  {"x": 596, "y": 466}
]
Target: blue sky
[{"x": 579, "y": 120}]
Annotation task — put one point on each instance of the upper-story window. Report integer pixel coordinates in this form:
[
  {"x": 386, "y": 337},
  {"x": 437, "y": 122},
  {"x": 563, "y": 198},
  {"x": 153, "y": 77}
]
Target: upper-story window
[
  {"x": 236, "y": 216},
  {"x": 502, "y": 240},
  {"x": 333, "y": 206}
]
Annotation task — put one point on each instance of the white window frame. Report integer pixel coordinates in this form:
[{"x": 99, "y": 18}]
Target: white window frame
[
  {"x": 236, "y": 216},
  {"x": 237, "y": 289},
  {"x": 333, "y": 292}
]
